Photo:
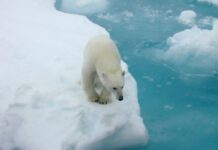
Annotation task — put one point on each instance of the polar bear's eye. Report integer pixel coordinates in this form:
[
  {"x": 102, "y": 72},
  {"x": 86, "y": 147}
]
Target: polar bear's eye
[
  {"x": 114, "y": 88},
  {"x": 122, "y": 87}
]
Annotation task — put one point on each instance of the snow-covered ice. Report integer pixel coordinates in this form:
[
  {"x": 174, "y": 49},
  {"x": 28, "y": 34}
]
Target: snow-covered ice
[
  {"x": 214, "y": 2},
  {"x": 195, "y": 48},
  {"x": 42, "y": 104},
  {"x": 187, "y": 17}
]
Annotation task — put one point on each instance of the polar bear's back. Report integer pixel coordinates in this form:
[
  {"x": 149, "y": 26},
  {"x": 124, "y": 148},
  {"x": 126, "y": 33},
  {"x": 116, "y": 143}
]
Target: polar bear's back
[{"x": 101, "y": 50}]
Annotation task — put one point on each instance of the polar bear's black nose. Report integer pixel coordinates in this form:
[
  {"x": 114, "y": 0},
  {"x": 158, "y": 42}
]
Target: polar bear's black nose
[{"x": 120, "y": 98}]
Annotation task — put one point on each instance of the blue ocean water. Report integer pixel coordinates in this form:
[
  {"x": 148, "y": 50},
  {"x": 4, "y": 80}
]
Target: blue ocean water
[{"x": 179, "y": 107}]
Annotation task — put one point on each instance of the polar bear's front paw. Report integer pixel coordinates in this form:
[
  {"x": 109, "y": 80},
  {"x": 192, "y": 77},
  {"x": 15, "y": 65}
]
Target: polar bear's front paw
[{"x": 104, "y": 99}]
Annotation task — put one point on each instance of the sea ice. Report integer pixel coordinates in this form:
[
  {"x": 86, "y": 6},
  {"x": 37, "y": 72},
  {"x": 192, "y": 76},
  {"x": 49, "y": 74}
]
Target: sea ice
[
  {"x": 194, "y": 47},
  {"x": 214, "y": 2},
  {"x": 187, "y": 17}
]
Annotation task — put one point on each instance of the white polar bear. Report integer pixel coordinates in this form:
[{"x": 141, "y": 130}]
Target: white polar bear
[{"x": 102, "y": 61}]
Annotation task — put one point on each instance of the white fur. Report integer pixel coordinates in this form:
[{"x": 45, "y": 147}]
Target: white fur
[{"x": 102, "y": 61}]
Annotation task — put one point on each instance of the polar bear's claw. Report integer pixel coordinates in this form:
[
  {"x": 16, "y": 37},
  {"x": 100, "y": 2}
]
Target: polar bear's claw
[{"x": 101, "y": 102}]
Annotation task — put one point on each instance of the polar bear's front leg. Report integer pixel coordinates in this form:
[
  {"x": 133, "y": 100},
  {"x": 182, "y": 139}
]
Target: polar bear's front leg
[
  {"x": 88, "y": 85},
  {"x": 105, "y": 96}
]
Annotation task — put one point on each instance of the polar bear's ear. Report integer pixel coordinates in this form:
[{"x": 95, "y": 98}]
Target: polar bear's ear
[{"x": 123, "y": 73}]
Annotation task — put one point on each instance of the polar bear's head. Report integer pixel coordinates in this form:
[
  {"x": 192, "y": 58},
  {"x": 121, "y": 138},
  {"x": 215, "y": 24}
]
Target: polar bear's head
[{"x": 114, "y": 82}]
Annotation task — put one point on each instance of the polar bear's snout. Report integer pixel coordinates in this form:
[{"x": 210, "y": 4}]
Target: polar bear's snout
[{"x": 120, "y": 98}]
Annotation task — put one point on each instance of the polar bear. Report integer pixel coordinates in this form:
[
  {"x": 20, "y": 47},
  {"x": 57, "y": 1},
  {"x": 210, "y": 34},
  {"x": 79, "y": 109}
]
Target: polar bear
[{"x": 101, "y": 61}]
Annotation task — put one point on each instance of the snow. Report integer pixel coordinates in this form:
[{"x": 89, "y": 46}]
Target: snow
[
  {"x": 42, "y": 104},
  {"x": 214, "y": 2},
  {"x": 84, "y": 6},
  {"x": 187, "y": 17},
  {"x": 195, "y": 48}
]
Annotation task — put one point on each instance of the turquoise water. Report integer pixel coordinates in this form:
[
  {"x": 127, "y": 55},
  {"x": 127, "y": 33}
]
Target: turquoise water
[{"x": 179, "y": 106}]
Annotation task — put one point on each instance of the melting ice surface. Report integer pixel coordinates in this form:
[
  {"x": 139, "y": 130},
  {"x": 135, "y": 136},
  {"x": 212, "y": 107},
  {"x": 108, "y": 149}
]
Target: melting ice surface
[{"x": 171, "y": 48}]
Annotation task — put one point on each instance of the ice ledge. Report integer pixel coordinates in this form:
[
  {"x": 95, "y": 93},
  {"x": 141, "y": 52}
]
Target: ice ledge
[{"x": 42, "y": 103}]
